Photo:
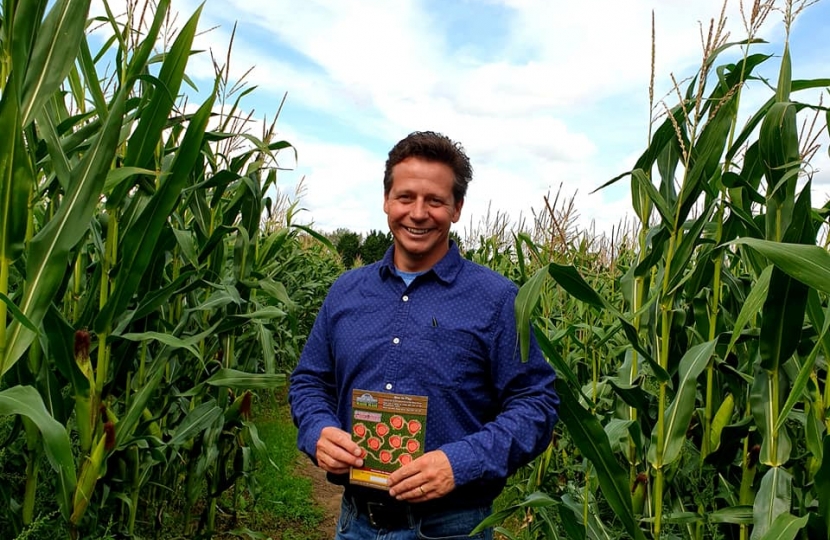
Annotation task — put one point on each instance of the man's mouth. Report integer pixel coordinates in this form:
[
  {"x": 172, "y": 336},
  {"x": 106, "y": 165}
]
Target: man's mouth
[{"x": 414, "y": 231}]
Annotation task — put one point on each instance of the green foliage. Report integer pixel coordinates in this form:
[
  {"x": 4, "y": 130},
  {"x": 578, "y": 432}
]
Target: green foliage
[
  {"x": 348, "y": 246},
  {"x": 693, "y": 364},
  {"x": 143, "y": 299},
  {"x": 374, "y": 246}
]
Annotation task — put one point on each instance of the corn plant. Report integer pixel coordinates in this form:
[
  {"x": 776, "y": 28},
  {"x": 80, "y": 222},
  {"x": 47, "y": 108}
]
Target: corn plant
[
  {"x": 144, "y": 302},
  {"x": 710, "y": 419}
]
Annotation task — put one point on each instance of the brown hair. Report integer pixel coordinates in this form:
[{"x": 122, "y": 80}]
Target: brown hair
[{"x": 432, "y": 146}]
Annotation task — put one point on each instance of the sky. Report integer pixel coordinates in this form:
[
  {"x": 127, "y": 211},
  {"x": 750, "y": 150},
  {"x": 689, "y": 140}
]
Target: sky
[{"x": 546, "y": 96}]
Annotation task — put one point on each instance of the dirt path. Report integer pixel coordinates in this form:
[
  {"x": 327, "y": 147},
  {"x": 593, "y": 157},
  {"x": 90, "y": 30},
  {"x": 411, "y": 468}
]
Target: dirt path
[{"x": 326, "y": 495}]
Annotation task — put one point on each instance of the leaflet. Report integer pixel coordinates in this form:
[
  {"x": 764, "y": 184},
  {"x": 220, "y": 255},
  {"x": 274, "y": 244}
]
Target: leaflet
[{"x": 390, "y": 429}]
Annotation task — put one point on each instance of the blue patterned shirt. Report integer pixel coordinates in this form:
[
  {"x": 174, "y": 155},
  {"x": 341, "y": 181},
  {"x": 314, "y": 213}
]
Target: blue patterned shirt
[{"x": 451, "y": 336}]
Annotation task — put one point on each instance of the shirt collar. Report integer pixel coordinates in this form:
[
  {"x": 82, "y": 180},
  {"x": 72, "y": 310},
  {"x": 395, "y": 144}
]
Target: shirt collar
[{"x": 445, "y": 270}]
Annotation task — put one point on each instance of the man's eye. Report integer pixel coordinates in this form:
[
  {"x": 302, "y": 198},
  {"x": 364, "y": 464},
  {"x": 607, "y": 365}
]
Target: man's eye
[{"x": 436, "y": 202}]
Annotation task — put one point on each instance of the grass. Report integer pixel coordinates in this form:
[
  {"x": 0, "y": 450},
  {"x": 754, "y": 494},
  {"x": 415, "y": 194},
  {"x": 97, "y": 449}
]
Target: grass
[{"x": 285, "y": 504}]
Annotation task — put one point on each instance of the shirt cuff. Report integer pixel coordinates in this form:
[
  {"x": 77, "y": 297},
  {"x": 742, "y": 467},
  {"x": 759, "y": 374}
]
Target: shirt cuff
[
  {"x": 466, "y": 465},
  {"x": 307, "y": 441}
]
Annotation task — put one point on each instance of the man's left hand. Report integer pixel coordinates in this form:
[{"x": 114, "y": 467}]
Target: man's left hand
[{"x": 426, "y": 478}]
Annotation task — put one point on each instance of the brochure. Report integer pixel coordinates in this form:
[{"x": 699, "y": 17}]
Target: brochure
[{"x": 390, "y": 428}]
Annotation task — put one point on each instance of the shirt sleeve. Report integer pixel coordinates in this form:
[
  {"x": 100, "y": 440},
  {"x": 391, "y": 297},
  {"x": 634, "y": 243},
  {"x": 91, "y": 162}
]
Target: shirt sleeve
[
  {"x": 312, "y": 392},
  {"x": 529, "y": 403}
]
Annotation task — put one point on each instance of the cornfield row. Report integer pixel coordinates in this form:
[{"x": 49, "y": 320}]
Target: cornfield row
[
  {"x": 144, "y": 291},
  {"x": 693, "y": 366}
]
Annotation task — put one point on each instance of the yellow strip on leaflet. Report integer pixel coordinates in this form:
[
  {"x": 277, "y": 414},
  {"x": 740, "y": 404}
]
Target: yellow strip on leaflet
[{"x": 369, "y": 477}]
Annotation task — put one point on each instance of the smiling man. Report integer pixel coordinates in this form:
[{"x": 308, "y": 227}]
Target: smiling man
[{"x": 424, "y": 324}]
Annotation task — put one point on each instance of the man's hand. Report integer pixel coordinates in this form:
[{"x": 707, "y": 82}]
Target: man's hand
[
  {"x": 426, "y": 478},
  {"x": 336, "y": 451}
]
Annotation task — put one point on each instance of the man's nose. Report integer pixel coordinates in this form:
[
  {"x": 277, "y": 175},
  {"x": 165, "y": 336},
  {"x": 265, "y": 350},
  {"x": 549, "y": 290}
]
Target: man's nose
[{"x": 419, "y": 210}]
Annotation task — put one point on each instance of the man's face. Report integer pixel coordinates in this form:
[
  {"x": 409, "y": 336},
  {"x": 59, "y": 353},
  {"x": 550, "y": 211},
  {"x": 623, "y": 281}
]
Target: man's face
[{"x": 420, "y": 208}]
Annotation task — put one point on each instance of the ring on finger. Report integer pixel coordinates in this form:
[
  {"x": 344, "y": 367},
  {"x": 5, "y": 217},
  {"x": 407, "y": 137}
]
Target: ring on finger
[{"x": 422, "y": 490}]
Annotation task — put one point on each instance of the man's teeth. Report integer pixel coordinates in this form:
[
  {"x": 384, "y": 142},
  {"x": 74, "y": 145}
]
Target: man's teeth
[{"x": 417, "y": 231}]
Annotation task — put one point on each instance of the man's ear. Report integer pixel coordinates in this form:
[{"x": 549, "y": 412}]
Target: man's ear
[{"x": 457, "y": 211}]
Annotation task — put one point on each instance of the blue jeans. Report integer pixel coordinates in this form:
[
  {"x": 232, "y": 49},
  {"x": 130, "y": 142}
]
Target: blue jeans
[{"x": 449, "y": 525}]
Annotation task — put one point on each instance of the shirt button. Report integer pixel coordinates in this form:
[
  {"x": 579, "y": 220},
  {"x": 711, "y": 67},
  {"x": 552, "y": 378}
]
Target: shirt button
[
  {"x": 396, "y": 341},
  {"x": 405, "y": 298},
  {"x": 389, "y": 386}
]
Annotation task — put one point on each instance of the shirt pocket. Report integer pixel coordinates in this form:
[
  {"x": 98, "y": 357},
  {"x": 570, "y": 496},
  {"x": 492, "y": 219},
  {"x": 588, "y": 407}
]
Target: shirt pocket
[{"x": 445, "y": 357}]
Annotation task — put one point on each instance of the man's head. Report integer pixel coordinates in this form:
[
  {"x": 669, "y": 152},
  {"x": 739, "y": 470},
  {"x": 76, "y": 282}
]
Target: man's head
[
  {"x": 423, "y": 193},
  {"x": 431, "y": 146}
]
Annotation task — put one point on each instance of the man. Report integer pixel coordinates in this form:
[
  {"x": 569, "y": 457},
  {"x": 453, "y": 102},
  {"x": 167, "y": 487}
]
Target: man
[{"x": 424, "y": 321}]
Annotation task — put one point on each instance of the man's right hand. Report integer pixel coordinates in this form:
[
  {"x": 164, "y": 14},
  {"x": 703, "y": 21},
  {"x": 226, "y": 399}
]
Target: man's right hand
[{"x": 336, "y": 451}]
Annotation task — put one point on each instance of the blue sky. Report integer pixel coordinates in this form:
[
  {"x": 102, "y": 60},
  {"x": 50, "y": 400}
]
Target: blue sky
[{"x": 541, "y": 93}]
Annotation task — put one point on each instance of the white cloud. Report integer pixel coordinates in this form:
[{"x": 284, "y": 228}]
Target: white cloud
[{"x": 535, "y": 112}]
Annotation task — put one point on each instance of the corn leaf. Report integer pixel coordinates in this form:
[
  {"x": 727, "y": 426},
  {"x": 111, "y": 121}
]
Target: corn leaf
[
  {"x": 117, "y": 176},
  {"x": 142, "y": 143},
  {"x": 785, "y": 527},
  {"x": 17, "y": 315},
  {"x": 765, "y": 409},
  {"x": 751, "y": 307},
  {"x": 786, "y": 303},
  {"x": 26, "y": 401},
  {"x": 126, "y": 426},
  {"x": 16, "y": 180},
  {"x": 53, "y": 54},
  {"x": 25, "y": 21},
  {"x": 536, "y": 499},
  {"x": 196, "y": 421},
  {"x": 683, "y": 254},
  {"x": 737, "y": 514},
  {"x": 526, "y": 301},
  {"x": 809, "y": 264},
  {"x": 772, "y": 500},
  {"x": 563, "y": 370},
  {"x": 60, "y": 338},
  {"x": 47, "y": 123},
  {"x": 663, "y": 206},
  {"x": 92, "y": 84},
  {"x": 48, "y": 251},
  {"x": 267, "y": 347},
  {"x": 707, "y": 152},
  {"x": 240, "y": 380},
  {"x": 143, "y": 235},
  {"x": 679, "y": 412},
  {"x": 797, "y": 391},
  {"x": 589, "y": 436},
  {"x": 780, "y": 155},
  {"x": 138, "y": 63},
  {"x": 167, "y": 339}
]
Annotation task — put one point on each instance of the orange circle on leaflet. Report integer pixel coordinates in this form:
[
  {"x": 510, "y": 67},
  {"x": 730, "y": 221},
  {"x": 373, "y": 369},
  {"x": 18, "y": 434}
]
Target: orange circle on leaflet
[{"x": 405, "y": 459}]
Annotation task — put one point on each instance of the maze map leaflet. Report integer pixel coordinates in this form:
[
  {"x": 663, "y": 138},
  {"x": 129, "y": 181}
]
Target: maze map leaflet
[{"x": 390, "y": 429}]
